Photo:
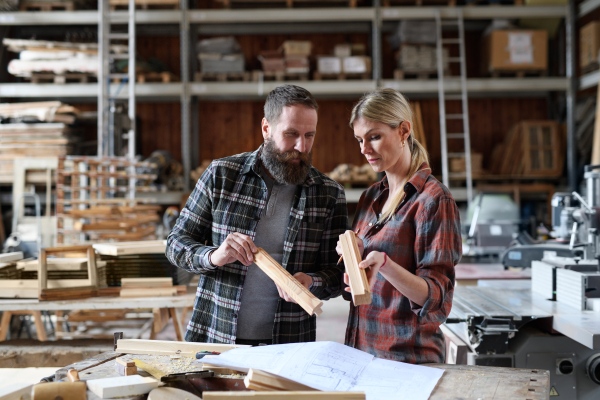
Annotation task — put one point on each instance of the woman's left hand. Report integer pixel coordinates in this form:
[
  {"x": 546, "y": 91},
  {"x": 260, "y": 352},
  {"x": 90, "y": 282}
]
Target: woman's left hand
[{"x": 371, "y": 265}]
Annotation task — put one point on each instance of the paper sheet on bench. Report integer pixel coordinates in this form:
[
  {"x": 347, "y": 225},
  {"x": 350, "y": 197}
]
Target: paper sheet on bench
[{"x": 334, "y": 367}]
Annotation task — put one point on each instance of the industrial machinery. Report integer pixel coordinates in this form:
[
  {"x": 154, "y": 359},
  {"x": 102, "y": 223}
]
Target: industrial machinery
[{"x": 553, "y": 323}]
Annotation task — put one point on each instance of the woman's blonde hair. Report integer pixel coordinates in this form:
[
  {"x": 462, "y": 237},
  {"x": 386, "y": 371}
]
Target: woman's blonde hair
[{"x": 390, "y": 107}]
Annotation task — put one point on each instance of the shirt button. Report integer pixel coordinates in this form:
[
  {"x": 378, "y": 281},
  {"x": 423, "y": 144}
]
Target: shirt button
[{"x": 370, "y": 224}]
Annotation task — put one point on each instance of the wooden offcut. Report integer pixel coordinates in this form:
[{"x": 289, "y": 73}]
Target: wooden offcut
[
  {"x": 359, "y": 285},
  {"x": 73, "y": 293},
  {"x": 166, "y": 347},
  {"x": 264, "y": 381},
  {"x": 122, "y": 386},
  {"x": 288, "y": 283}
]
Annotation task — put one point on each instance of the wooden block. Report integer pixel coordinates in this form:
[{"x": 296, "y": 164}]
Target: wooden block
[
  {"x": 122, "y": 386},
  {"x": 359, "y": 285},
  {"x": 285, "y": 395},
  {"x": 126, "y": 363},
  {"x": 62, "y": 390},
  {"x": 170, "y": 393},
  {"x": 167, "y": 347},
  {"x": 264, "y": 381},
  {"x": 288, "y": 283},
  {"x": 152, "y": 370},
  {"x": 125, "y": 371},
  {"x": 125, "y": 248},
  {"x": 145, "y": 282}
]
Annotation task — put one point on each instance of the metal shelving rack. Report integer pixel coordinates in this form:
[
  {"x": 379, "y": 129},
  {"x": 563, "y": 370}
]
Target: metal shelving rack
[{"x": 369, "y": 19}]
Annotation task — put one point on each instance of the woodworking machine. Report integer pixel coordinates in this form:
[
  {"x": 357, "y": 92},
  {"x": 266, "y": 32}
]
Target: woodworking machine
[{"x": 553, "y": 322}]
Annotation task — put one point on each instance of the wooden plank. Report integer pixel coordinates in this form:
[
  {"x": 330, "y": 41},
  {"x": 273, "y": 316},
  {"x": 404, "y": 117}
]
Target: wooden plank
[
  {"x": 596, "y": 143},
  {"x": 145, "y": 282},
  {"x": 285, "y": 395},
  {"x": 122, "y": 386},
  {"x": 68, "y": 294},
  {"x": 152, "y": 370},
  {"x": 170, "y": 393},
  {"x": 264, "y": 381},
  {"x": 16, "y": 391},
  {"x": 493, "y": 383},
  {"x": 28, "y": 284},
  {"x": 166, "y": 347},
  {"x": 9, "y": 257},
  {"x": 288, "y": 283},
  {"x": 148, "y": 292},
  {"x": 126, "y": 248},
  {"x": 359, "y": 285}
]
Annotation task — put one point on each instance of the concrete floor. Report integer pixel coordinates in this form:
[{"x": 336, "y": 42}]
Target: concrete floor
[{"x": 331, "y": 326}]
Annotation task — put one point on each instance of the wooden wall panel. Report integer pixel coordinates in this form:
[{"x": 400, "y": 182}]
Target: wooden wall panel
[
  {"x": 166, "y": 49},
  {"x": 159, "y": 128}
]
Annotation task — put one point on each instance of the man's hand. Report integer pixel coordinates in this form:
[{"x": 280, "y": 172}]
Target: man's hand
[
  {"x": 305, "y": 280},
  {"x": 236, "y": 247}
]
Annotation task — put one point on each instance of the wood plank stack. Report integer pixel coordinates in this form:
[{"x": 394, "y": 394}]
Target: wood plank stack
[
  {"x": 531, "y": 149},
  {"x": 150, "y": 287},
  {"x": 143, "y": 259},
  {"x": 349, "y": 174},
  {"x": 94, "y": 200},
  {"x": 35, "y": 129}
]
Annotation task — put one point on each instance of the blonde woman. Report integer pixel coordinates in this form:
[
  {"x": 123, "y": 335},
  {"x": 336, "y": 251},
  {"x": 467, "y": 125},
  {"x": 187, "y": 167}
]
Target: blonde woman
[{"x": 409, "y": 236}]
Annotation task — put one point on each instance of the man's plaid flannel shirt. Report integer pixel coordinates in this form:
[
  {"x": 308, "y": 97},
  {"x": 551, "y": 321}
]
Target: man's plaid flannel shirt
[{"x": 230, "y": 197}]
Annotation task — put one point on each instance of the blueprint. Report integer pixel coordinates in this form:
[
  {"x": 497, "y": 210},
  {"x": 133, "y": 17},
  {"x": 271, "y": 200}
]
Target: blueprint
[{"x": 332, "y": 366}]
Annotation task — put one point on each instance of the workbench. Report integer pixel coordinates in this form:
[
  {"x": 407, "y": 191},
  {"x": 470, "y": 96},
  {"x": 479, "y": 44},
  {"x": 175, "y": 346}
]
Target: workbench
[
  {"x": 166, "y": 306},
  {"x": 458, "y": 382}
]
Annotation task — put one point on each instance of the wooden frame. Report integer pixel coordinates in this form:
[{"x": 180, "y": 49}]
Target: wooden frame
[
  {"x": 76, "y": 292},
  {"x": 288, "y": 283},
  {"x": 359, "y": 285}
]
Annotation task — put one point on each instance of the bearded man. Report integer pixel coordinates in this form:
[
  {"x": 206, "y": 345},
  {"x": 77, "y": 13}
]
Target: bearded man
[{"x": 271, "y": 198}]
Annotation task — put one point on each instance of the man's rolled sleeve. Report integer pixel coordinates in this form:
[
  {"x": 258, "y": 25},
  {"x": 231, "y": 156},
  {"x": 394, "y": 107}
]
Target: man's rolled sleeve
[
  {"x": 187, "y": 243},
  {"x": 327, "y": 282}
]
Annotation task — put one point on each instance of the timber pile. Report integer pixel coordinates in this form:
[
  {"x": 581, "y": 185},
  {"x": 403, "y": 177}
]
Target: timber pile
[
  {"x": 39, "y": 129},
  {"x": 144, "y": 259},
  {"x": 348, "y": 174},
  {"x": 150, "y": 287},
  {"x": 290, "y": 61},
  {"x": 58, "y": 58},
  {"x": 531, "y": 149},
  {"x": 91, "y": 202}
]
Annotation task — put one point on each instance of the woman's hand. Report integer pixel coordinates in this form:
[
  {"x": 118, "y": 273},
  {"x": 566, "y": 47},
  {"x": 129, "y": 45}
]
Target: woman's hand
[
  {"x": 359, "y": 242},
  {"x": 374, "y": 261}
]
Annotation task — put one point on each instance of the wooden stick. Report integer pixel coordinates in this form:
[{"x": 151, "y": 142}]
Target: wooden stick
[
  {"x": 288, "y": 283},
  {"x": 359, "y": 285},
  {"x": 166, "y": 347},
  {"x": 264, "y": 381},
  {"x": 285, "y": 395}
]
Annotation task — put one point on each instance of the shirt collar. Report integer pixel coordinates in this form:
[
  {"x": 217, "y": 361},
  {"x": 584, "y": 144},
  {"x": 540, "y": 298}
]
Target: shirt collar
[
  {"x": 417, "y": 181},
  {"x": 251, "y": 164}
]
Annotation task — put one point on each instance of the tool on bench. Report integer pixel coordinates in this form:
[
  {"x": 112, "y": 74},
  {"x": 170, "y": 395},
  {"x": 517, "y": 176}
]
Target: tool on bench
[
  {"x": 72, "y": 390},
  {"x": 202, "y": 354}
]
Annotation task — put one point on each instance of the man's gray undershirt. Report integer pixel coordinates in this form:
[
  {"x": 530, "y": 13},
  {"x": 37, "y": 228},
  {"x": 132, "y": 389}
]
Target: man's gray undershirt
[{"x": 259, "y": 294}]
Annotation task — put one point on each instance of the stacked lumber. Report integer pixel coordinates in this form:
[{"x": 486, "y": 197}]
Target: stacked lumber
[
  {"x": 531, "y": 149},
  {"x": 94, "y": 200},
  {"x": 419, "y": 60},
  {"x": 349, "y": 174},
  {"x": 197, "y": 173},
  {"x": 38, "y": 129},
  {"x": 144, "y": 259},
  {"x": 56, "y": 58},
  {"x": 150, "y": 287}
]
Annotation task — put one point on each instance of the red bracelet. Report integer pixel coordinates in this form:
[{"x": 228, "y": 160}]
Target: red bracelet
[{"x": 385, "y": 255}]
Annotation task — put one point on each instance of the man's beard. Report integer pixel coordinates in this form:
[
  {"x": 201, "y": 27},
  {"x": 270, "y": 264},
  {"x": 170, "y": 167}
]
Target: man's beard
[{"x": 280, "y": 166}]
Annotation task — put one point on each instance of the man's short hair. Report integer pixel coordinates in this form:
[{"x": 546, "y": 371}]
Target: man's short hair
[{"x": 285, "y": 96}]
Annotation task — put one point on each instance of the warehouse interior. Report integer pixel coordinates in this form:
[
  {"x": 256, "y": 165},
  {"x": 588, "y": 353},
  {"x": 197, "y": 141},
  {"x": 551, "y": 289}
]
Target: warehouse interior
[{"x": 112, "y": 112}]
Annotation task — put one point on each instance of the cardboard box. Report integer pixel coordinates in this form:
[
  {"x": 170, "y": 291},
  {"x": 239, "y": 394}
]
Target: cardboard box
[
  {"x": 515, "y": 50},
  {"x": 329, "y": 65},
  {"x": 356, "y": 65},
  {"x": 272, "y": 61},
  {"x": 459, "y": 165},
  {"x": 589, "y": 44},
  {"x": 297, "y": 47},
  {"x": 297, "y": 64},
  {"x": 342, "y": 50}
]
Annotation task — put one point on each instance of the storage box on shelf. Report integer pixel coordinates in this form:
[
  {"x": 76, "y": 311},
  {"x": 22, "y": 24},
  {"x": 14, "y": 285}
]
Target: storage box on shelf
[
  {"x": 515, "y": 52},
  {"x": 419, "y": 61},
  {"x": 221, "y": 59},
  {"x": 288, "y": 3},
  {"x": 93, "y": 202},
  {"x": 348, "y": 61},
  {"x": 589, "y": 45}
]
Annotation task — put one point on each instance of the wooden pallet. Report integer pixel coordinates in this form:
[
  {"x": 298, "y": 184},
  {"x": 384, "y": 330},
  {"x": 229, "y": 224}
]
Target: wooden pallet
[
  {"x": 47, "y": 6},
  {"x": 222, "y": 76},
  {"x": 164, "y": 77},
  {"x": 278, "y": 76},
  {"x": 288, "y": 3},
  {"x": 518, "y": 73},
  {"x": 318, "y": 76},
  {"x": 400, "y": 74},
  {"x": 145, "y": 4},
  {"x": 71, "y": 77}
]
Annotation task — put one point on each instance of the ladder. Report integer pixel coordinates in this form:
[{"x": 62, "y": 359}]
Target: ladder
[
  {"x": 106, "y": 99},
  {"x": 107, "y": 140},
  {"x": 447, "y": 95}
]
